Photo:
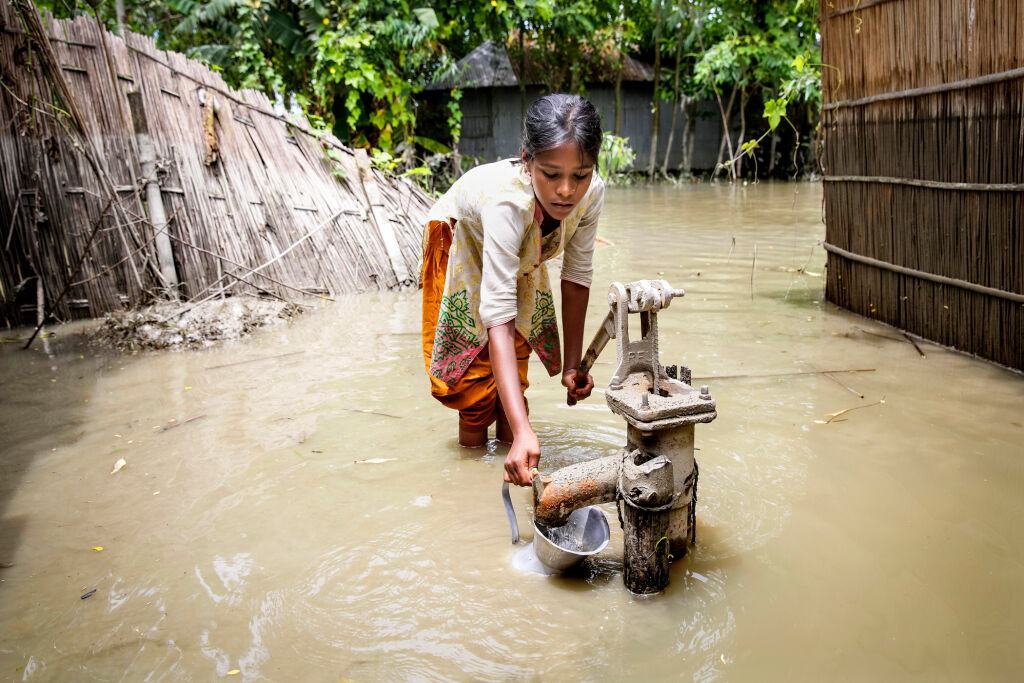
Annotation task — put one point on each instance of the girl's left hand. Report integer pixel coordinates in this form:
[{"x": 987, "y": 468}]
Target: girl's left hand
[{"x": 579, "y": 386}]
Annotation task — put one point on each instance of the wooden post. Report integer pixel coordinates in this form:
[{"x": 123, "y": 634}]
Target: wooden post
[
  {"x": 154, "y": 200},
  {"x": 387, "y": 234},
  {"x": 646, "y": 488}
]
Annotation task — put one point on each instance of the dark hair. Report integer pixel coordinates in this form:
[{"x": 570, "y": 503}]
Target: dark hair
[{"x": 554, "y": 120}]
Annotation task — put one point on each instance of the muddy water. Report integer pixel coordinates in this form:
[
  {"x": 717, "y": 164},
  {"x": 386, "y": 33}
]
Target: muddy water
[{"x": 245, "y": 534}]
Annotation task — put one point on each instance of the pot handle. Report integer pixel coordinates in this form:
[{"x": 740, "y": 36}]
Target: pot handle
[{"x": 510, "y": 511}]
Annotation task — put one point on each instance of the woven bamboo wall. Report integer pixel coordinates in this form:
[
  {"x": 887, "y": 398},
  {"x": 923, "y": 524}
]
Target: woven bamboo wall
[
  {"x": 924, "y": 161},
  {"x": 272, "y": 186}
]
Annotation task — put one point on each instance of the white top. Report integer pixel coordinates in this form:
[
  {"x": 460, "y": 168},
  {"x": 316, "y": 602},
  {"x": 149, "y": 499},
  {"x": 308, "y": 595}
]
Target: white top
[{"x": 500, "y": 197}]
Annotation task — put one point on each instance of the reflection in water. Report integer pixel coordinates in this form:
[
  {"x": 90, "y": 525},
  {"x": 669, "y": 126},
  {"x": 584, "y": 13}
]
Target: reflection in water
[
  {"x": 319, "y": 520},
  {"x": 231, "y": 575}
]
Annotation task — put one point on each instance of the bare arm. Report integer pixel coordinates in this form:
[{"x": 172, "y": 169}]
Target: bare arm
[
  {"x": 525, "y": 451},
  {"x": 574, "y": 313}
]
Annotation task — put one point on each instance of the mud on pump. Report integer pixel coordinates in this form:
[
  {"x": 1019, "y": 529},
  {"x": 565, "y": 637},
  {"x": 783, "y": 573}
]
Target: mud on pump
[{"x": 653, "y": 481}]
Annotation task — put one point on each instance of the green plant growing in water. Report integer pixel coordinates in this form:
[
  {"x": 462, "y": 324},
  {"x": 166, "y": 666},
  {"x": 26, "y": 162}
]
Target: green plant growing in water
[
  {"x": 802, "y": 86},
  {"x": 615, "y": 159}
]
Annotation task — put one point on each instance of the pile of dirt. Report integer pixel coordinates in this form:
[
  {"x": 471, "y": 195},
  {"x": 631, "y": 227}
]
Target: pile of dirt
[{"x": 183, "y": 325}]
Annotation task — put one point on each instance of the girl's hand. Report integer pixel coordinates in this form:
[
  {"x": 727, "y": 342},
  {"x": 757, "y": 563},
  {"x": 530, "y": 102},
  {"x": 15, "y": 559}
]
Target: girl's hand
[
  {"x": 522, "y": 457},
  {"x": 579, "y": 386}
]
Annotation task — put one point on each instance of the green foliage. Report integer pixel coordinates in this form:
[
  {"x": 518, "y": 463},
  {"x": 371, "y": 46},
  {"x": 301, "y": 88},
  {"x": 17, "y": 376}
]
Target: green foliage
[
  {"x": 803, "y": 85},
  {"x": 357, "y": 67},
  {"x": 455, "y": 116},
  {"x": 774, "y": 111},
  {"x": 615, "y": 158},
  {"x": 432, "y": 146},
  {"x": 383, "y": 161},
  {"x": 759, "y": 49}
]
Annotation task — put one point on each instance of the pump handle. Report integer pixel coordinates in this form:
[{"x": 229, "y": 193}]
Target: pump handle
[{"x": 604, "y": 333}]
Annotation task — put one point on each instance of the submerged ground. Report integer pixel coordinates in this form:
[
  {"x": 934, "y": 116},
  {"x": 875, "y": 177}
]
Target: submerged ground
[{"x": 296, "y": 507}]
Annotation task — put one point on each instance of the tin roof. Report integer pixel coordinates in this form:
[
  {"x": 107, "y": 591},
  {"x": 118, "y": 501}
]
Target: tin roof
[{"x": 488, "y": 65}]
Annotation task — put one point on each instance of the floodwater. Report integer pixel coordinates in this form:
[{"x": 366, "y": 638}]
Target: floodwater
[{"x": 311, "y": 517}]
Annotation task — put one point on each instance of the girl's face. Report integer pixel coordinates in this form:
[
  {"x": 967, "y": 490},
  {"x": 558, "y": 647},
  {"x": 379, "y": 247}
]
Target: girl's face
[{"x": 560, "y": 177}]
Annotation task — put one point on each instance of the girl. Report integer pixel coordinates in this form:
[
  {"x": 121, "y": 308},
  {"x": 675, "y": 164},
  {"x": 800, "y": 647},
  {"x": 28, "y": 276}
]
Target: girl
[{"x": 486, "y": 297}]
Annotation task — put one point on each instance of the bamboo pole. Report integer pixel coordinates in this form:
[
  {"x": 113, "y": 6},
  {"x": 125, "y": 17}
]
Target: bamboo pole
[
  {"x": 154, "y": 200},
  {"x": 373, "y": 200},
  {"x": 933, "y": 184},
  {"x": 962, "y": 284},
  {"x": 1009, "y": 75}
]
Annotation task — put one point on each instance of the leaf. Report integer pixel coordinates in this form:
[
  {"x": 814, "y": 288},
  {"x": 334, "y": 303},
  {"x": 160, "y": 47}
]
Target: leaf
[
  {"x": 286, "y": 32},
  {"x": 118, "y": 466},
  {"x": 427, "y": 17},
  {"x": 432, "y": 145},
  {"x": 799, "y": 63},
  {"x": 419, "y": 170},
  {"x": 97, "y": 548},
  {"x": 774, "y": 110},
  {"x": 234, "y": 672},
  {"x": 214, "y": 55},
  {"x": 832, "y": 416},
  {"x": 749, "y": 147}
]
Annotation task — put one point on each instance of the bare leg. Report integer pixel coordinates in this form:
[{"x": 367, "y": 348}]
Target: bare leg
[
  {"x": 503, "y": 429},
  {"x": 471, "y": 437}
]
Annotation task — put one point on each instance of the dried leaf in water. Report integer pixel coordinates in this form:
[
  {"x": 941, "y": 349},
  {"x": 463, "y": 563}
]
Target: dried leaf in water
[
  {"x": 97, "y": 548},
  {"x": 118, "y": 466},
  {"x": 374, "y": 461}
]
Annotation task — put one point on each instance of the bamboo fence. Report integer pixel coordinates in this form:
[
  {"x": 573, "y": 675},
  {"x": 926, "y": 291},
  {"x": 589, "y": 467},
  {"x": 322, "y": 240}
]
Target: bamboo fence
[
  {"x": 923, "y": 117},
  {"x": 257, "y": 202}
]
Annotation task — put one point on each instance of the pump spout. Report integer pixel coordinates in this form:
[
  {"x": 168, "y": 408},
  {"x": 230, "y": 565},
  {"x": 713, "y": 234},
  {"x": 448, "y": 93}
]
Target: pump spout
[{"x": 573, "y": 487}]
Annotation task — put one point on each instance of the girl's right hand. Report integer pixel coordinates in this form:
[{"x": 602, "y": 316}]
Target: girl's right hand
[{"x": 523, "y": 456}]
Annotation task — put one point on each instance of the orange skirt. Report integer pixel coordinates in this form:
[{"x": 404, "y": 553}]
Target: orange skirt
[{"x": 475, "y": 394}]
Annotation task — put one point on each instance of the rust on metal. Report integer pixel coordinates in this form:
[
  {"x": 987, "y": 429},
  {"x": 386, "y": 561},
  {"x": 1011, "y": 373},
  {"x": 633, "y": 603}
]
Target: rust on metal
[{"x": 574, "y": 487}]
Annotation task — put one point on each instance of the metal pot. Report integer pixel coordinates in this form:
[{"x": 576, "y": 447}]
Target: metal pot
[{"x": 586, "y": 533}]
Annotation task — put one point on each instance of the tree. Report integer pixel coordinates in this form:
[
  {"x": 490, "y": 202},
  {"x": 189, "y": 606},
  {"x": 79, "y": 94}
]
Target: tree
[
  {"x": 685, "y": 36},
  {"x": 657, "y": 84},
  {"x": 357, "y": 66},
  {"x": 749, "y": 48}
]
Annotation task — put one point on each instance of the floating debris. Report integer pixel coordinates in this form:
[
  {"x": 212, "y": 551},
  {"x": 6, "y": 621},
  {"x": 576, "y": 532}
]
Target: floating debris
[
  {"x": 832, "y": 416},
  {"x": 172, "y": 423}
]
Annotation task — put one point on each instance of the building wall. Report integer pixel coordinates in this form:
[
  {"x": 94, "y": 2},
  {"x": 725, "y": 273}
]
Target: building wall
[{"x": 492, "y": 120}]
